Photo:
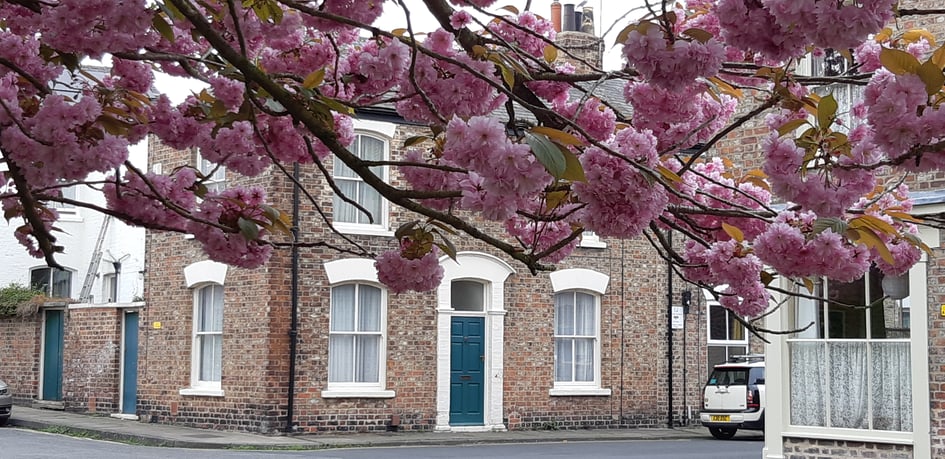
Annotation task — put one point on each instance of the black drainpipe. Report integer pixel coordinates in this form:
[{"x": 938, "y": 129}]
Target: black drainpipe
[
  {"x": 669, "y": 328},
  {"x": 294, "y": 329}
]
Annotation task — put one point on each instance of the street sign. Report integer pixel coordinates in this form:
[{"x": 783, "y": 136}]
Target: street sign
[{"x": 678, "y": 318}]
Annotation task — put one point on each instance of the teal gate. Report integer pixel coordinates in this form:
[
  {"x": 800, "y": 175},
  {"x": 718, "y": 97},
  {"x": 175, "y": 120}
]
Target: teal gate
[
  {"x": 129, "y": 365},
  {"x": 53, "y": 335}
]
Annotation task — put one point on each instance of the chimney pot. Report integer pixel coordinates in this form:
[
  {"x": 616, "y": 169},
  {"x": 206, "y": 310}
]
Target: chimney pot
[
  {"x": 556, "y": 15},
  {"x": 567, "y": 18}
]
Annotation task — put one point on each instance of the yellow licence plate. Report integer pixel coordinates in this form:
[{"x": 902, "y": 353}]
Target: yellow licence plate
[{"x": 720, "y": 418}]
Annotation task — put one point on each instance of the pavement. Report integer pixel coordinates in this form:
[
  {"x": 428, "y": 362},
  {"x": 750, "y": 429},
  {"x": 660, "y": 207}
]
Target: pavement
[{"x": 133, "y": 431}]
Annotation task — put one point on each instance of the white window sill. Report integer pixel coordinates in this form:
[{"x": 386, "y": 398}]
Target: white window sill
[
  {"x": 69, "y": 215},
  {"x": 860, "y": 435},
  {"x": 201, "y": 392},
  {"x": 592, "y": 244},
  {"x": 356, "y": 393},
  {"x": 367, "y": 230},
  {"x": 578, "y": 392}
]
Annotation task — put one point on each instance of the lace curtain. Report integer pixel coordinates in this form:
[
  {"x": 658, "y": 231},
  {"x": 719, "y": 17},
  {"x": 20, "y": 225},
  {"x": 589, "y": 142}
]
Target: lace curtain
[{"x": 862, "y": 385}]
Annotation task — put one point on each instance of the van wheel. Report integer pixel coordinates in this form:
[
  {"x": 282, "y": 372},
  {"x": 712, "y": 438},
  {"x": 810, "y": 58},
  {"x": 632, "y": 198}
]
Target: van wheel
[{"x": 722, "y": 433}]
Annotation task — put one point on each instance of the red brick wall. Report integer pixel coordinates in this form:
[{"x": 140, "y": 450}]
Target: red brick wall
[
  {"x": 256, "y": 326},
  {"x": 19, "y": 346},
  {"x": 92, "y": 359}
]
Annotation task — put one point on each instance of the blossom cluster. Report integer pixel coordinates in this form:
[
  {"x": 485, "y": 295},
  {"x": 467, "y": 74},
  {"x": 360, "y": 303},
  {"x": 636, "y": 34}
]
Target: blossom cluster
[
  {"x": 620, "y": 198},
  {"x": 782, "y": 29},
  {"x": 401, "y": 274},
  {"x": 671, "y": 62}
]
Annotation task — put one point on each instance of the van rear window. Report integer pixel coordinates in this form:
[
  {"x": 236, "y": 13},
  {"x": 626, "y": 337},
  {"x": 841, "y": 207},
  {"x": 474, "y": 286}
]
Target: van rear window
[
  {"x": 736, "y": 376},
  {"x": 728, "y": 377}
]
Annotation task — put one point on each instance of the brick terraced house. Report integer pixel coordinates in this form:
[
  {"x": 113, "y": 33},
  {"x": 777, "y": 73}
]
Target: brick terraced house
[{"x": 320, "y": 345}]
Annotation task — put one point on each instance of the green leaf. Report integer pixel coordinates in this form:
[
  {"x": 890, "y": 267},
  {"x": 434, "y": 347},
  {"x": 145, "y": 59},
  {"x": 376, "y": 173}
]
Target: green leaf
[
  {"x": 826, "y": 111},
  {"x": 312, "y": 80},
  {"x": 415, "y": 140},
  {"x": 698, "y": 34},
  {"x": 161, "y": 25},
  {"x": 405, "y": 228},
  {"x": 558, "y": 135},
  {"x": 248, "y": 229},
  {"x": 573, "y": 169},
  {"x": 448, "y": 248},
  {"x": 669, "y": 174},
  {"x": 791, "y": 126},
  {"x": 834, "y": 224},
  {"x": 899, "y": 62},
  {"x": 507, "y": 76},
  {"x": 548, "y": 154},
  {"x": 932, "y": 76},
  {"x": 337, "y": 106}
]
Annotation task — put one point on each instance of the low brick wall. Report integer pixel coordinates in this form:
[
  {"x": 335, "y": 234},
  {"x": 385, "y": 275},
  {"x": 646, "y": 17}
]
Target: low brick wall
[{"x": 810, "y": 448}]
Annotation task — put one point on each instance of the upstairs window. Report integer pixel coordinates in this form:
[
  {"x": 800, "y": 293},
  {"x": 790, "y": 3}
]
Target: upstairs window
[
  {"x": 214, "y": 174},
  {"x": 346, "y": 215}
]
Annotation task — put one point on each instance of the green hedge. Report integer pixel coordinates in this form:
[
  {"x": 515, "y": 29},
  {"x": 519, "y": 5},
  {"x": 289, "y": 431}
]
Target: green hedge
[{"x": 13, "y": 296}]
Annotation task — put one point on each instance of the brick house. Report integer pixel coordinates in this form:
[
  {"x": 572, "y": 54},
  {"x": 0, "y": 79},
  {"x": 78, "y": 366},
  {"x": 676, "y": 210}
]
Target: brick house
[
  {"x": 488, "y": 350},
  {"x": 71, "y": 352},
  {"x": 319, "y": 345}
]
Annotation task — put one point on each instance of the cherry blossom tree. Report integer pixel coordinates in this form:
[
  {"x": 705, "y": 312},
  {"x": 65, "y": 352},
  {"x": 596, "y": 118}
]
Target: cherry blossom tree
[{"x": 519, "y": 151}]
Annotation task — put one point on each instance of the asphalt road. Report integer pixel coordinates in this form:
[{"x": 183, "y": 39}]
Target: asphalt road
[{"x": 28, "y": 444}]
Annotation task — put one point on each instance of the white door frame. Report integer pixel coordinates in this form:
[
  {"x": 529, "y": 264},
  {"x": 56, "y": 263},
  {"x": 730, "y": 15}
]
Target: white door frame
[{"x": 492, "y": 272}]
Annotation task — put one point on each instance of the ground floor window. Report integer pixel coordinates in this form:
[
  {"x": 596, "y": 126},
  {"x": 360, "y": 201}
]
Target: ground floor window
[{"x": 850, "y": 363}]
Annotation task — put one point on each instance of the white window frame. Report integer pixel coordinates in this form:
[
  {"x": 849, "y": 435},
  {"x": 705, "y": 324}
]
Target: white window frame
[
  {"x": 49, "y": 287},
  {"x": 595, "y": 284},
  {"x": 722, "y": 343},
  {"x": 196, "y": 276},
  {"x": 215, "y": 173},
  {"x": 829, "y": 431},
  {"x": 68, "y": 211},
  {"x": 728, "y": 341},
  {"x": 590, "y": 240},
  {"x": 207, "y": 387},
  {"x": 359, "y": 271},
  {"x": 110, "y": 287},
  {"x": 381, "y": 225}
]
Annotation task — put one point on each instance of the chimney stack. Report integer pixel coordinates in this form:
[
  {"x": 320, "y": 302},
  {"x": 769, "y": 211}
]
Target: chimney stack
[{"x": 576, "y": 35}]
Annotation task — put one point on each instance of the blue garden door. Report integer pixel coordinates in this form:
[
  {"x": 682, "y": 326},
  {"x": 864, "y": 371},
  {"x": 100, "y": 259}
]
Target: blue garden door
[
  {"x": 467, "y": 363},
  {"x": 54, "y": 326},
  {"x": 129, "y": 364}
]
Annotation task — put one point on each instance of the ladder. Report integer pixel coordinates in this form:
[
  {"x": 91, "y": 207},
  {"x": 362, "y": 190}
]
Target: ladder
[{"x": 85, "y": 296}]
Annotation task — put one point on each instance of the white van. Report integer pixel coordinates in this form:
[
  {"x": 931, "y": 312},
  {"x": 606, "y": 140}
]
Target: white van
[{"x": 735, "y": 396}]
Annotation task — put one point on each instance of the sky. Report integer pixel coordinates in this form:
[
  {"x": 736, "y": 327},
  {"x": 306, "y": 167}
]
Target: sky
[{"x": 393, "y": 18}]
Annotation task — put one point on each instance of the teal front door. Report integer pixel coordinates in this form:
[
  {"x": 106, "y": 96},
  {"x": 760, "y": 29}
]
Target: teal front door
[
  {"x": 467, "y": 363},
  {"x": 129, "y": 365},
  {"x": 54, "y": 326}
]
